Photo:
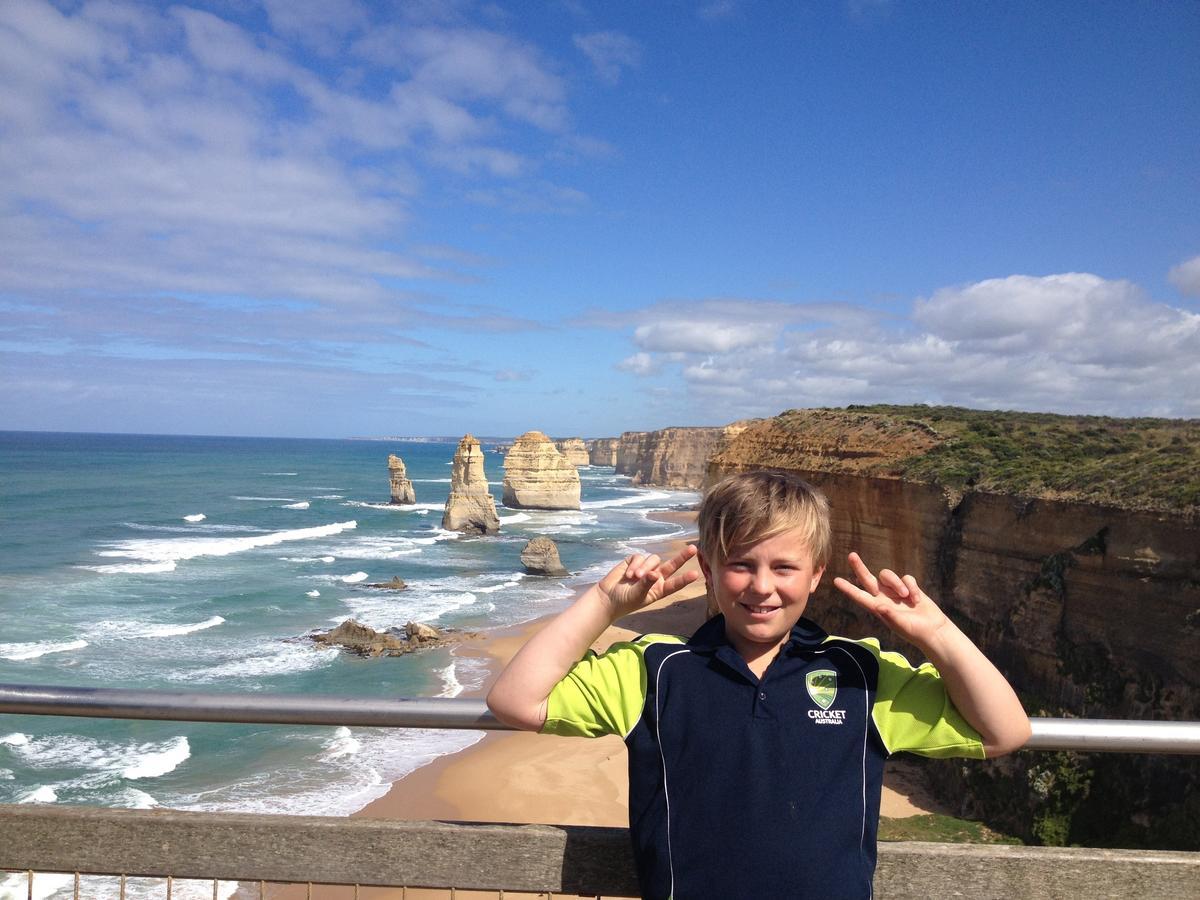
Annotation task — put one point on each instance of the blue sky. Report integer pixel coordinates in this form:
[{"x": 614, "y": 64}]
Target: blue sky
[{"x": 313, "y": 218}]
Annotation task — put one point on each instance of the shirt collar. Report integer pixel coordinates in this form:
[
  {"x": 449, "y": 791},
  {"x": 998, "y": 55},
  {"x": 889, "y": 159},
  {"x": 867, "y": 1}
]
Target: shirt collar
[{"x": 806, "y": 635}]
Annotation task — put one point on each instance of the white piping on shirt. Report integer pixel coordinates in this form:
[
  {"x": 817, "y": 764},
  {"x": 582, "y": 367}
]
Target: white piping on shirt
[{"x": 663, "y": 757}]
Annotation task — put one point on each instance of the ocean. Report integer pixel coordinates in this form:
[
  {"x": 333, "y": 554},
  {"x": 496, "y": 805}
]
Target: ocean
[{"x": 203, "y": 562}]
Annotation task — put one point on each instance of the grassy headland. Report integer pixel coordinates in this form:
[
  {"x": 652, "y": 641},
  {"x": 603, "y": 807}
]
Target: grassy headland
[{"x": 1139, "y": 463}]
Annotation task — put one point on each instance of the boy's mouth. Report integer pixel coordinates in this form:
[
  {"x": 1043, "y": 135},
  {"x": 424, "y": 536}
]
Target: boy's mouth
[{"x": 758, "y": 610}]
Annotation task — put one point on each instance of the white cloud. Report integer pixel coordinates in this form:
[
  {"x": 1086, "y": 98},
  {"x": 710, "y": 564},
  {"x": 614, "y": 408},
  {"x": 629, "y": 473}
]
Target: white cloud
[
  {"x": 1073, "y": 342},
  {"x": 155, "y": 153},
  {"x": 610, "y": 52},
  {"x": 640, "y": 364},
  {"x": 699, "y": 336},
  {"x": 1186, "y": 276}
]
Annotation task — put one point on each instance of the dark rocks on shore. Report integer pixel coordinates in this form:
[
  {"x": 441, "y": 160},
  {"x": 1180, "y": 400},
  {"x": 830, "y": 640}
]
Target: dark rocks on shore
[
  {"x": 540, "y": 557},
  {"x": 366, "y": 641}
]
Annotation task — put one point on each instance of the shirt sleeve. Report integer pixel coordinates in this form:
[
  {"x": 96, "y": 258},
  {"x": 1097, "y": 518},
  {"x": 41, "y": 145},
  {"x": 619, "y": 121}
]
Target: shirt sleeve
[
  {"x": 913, "y": 712},
  {"x": 601, "y": 694}
]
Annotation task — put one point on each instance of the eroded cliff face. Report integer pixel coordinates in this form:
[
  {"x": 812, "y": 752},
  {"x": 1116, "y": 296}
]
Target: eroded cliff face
[
  {"x": 573, "y": 451},
  {"x": 536, "y": 476},
  {"x": 672, "y": 457},
  {"x": 1089, "y": 610},
  {"x": 603, "y": 451}
]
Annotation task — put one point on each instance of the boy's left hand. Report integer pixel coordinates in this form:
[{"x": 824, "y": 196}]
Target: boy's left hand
[{"x": 898, "y": 601}]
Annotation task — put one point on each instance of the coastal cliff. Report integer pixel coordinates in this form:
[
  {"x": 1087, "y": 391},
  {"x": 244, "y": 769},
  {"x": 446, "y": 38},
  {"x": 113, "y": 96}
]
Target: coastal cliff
[
  {"x": 536, "y": 476},
  {"x": 574, "y": 451},
  {"x": 402, "y": 487},
  {"x": 672, "y": 457},
  {"x": 603, "y": 451},
  {"x": 470, "y": 508},
  {"x": 1081, "y": 583}
]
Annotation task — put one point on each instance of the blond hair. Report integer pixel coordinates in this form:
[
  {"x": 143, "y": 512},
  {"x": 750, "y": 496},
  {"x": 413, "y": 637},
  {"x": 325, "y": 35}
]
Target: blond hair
[{"x": 753, "y": 506}]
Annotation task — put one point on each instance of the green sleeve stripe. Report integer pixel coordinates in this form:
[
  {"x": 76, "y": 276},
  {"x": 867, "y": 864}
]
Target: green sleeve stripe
[
  {"x": 603, "y": 694},
  {"x": 913, "y": 712}
]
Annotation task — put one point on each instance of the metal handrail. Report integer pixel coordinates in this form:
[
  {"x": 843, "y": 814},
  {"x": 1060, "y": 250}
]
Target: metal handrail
[{"x": 1090, "y": 735}]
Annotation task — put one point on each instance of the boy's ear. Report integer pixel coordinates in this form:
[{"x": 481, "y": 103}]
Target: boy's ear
[
  {"x": 704, "y": 566},
  {"x": 816, "y": 579}
]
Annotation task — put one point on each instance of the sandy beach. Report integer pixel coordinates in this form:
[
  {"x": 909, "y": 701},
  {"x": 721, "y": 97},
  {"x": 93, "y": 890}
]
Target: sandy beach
[{"x": 530, "y": 778}]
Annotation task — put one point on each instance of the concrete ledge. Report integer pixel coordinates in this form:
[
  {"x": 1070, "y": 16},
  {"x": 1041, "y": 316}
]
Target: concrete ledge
[
  {"x": 561, "y": 859},
  {"x": 913, "y": 870}
]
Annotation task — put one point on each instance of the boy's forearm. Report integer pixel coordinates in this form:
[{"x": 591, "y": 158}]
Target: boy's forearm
[
  {"x": 520, "y": 693},
  {"x": 979, "y": 691}
]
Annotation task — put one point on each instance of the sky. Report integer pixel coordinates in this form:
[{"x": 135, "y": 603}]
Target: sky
[{"x": 325, "y": 219}]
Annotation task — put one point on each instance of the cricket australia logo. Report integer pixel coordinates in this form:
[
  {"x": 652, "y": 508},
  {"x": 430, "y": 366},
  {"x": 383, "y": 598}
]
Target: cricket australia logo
[{"x": 822, "y": 688}]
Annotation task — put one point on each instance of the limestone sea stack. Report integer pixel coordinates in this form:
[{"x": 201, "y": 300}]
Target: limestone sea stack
[
  {"x": 574, "y": 450},
  {"x": 470, "y": 507},
  {"x": 402, "y": 488},
  {"x": 536, "y": 476},
  {"x": 540, "y": 557}
]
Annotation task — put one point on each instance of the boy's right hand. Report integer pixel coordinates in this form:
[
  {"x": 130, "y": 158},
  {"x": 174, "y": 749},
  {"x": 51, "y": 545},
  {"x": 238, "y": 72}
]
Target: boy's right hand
[{"x": 640, "y": 580}]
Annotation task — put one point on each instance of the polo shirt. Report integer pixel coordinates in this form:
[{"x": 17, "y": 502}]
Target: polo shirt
[{"x": 748, "y": 787}]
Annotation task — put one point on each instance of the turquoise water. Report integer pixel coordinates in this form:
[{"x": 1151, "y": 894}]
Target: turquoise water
[{"x": 198, "y": 562}]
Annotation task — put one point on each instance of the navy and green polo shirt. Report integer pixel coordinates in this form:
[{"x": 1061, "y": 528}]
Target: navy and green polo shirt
[{"x": 748, "y": 787}]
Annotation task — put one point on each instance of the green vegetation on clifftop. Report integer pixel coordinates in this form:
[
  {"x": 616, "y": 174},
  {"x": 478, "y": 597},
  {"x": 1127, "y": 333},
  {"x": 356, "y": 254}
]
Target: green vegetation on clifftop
[{"x": 1134, "y": 463}]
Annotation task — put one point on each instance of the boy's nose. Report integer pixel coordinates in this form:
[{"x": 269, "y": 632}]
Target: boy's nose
[{"x": 763, "y": 583}]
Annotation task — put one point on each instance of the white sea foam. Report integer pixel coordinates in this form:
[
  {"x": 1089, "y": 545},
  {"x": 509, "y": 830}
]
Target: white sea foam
[
  {"x": 34, "y": 649},
  {"x": 451, "y": 687},
  {"x": 157, "y": 568},
  {"x": 196, "y": 527},
  {"x": 160, "y": 762},
  {"x": 44, "y": 794},
  {"x": 16, "y": 739},
  {"x": 195, "y": 517},
  {"x": 273, "y": 661},
  {"x": 163, "y": 552},
  {"x": 303, "y": 504},
  {"x": 639, "y": 497},
  {"x": 379, "y": 548},
  {"x": 330, "y": 496},
  {"x": 280, "y": 473},
  {"x": 264, "y": 498},
  {"x": 132, "y": 798},
  {"x": 430, "y": 480},
  {"x": 105, "y": 760},
  {"x": 515, "y": 517},
  {"x": 172, "y": 630},
  {"x": 312, "y": 593},
  {"x": 320, "y": 559},
  {"x": 109, "y": 628},
  {"x": 343, "y": 743},
  {"x": 355, "y": 577},
  {"x": 6, "y": 775}
]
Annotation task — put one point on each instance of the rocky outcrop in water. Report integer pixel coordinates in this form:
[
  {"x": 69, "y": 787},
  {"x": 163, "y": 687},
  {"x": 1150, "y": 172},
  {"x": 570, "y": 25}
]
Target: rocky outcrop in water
[
  {"x": 574, "y": 451},
  {"x": 603, "y": 451},
  {"x": 366, "y": 641},
  {"x": 470, "y": 508},
  {"x": 540, "y": 557},
  {"x": 536, "y": 476},
  {"x": 396, "y": 584},
  {"x": 402, "y": 488}
]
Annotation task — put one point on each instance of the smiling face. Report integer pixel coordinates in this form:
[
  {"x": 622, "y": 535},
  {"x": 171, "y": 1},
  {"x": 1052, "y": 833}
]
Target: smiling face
[{"x": 762, "y": 589}]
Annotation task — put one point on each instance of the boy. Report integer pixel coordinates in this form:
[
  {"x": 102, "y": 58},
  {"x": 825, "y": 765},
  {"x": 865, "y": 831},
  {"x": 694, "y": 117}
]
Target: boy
[{"x": 756, "y": 748}]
